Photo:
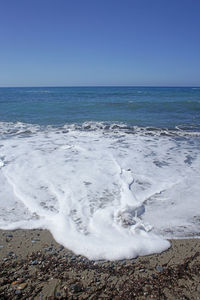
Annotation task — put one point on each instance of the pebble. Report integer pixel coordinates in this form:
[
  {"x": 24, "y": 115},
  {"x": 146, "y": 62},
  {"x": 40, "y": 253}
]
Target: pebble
[
  {"x": 132, "y": 262},
  {"x": 76, "y": 288},
  {"x": 47, "y": 249},
  {"x": 5, "y": 259},
  {"x": 159, "y": 269},
  {"x": 9, "y": 235},
  {"x": 34, "y": 262},
  {"x": 22, "y": 286},
  {"x": 17, "y": 292},
  {"x": 20, "y": 280},
  {"x": 141, "y": 270},
  {"x": 35, "y": 241},
  {"x": 1, "y": 246}
]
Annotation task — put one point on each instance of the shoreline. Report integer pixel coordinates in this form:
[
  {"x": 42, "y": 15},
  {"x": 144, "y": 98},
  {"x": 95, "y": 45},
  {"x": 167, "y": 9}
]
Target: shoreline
[{"x": 35, "y": 266}]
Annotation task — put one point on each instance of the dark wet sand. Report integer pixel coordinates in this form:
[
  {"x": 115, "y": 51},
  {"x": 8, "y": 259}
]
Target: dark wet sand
[{"x": 34, "y": 266}]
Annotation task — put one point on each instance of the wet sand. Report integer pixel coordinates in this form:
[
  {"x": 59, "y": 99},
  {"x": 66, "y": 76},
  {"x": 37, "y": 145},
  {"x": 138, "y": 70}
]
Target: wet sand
[{"x": 34, "y": 266}]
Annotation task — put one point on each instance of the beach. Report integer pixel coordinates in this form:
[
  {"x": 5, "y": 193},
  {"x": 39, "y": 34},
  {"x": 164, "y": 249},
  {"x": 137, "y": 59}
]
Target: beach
[
  {"x": 100, "y": 150},
  {"x": 34, "y": 266}
]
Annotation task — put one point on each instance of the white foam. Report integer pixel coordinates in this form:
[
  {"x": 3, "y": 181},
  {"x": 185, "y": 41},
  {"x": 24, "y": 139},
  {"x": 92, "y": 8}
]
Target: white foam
[{"x": 103, "y": 194}]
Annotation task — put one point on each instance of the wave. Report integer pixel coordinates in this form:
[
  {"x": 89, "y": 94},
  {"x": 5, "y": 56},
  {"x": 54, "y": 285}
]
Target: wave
[
  {"x": 104, "y": 190},
  {"x": 19, "y": 128}
]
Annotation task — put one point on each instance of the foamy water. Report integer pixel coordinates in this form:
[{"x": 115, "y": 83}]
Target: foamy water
[{"x": 104, "y": 191}]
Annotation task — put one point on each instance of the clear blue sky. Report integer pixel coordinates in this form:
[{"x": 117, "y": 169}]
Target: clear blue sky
[{"x": 99, "y": 42}]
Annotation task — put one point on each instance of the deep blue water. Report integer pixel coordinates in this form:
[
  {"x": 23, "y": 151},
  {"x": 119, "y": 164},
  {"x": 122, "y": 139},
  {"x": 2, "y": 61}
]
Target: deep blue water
[{"x": 141, "y": 106}]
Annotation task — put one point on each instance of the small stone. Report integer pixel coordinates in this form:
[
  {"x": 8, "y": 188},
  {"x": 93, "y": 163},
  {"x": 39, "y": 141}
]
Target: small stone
[
  {"x": 1, "y": 246},
  {"x": 141, "y": 270},
  {"x": 5, "y": 259},
  {"x": 58, "y": 294},
  {"x": 159, "y": 269},
  {"x": 14, "y": 282},
  {"x": 20, "y": 280},
  {"x": 76, "y": 288},
  {"x": 112, "y": 265},
  {"x": 34, "y": 262},
  {"x": 17, "y": 292},
  {"x": 22, "y": 286},
  {"x": 73, "y": 257},
  {"x": 47, "y": 249},
  {"x": 9, "y": 235},
  {"x": 33, "y": 241}
]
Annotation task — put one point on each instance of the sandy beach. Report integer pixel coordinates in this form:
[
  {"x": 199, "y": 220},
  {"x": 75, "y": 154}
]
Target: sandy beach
[{"x": 34, "y": 266}]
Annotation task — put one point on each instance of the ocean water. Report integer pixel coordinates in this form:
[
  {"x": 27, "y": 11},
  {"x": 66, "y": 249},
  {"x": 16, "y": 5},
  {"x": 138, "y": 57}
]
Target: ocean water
[{"x": 112, "y": 172}]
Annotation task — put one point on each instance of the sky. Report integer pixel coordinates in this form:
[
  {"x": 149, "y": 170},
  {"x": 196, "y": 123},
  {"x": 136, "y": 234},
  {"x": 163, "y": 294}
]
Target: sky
[{"x": 99, "y": 42}]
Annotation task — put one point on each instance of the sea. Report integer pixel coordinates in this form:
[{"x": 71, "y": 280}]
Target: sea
[{"x": 111, "y": 172}]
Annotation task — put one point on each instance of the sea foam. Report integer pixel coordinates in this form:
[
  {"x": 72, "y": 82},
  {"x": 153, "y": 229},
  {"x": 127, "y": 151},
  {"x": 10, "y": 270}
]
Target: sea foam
[{"x": 104, "y": 191}]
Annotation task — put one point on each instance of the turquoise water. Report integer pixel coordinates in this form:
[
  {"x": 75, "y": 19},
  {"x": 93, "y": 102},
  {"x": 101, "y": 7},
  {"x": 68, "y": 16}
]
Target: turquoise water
[{"x": 140, "y": 106}]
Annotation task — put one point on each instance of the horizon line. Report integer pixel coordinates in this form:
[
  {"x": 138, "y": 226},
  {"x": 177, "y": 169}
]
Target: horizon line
[{"x": 101, "y": 86}]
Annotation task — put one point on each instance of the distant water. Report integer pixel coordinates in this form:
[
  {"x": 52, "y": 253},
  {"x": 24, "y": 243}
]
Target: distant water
[
  {"x": 157, "y": 107},
  {"x": 111, "y": 172}
]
